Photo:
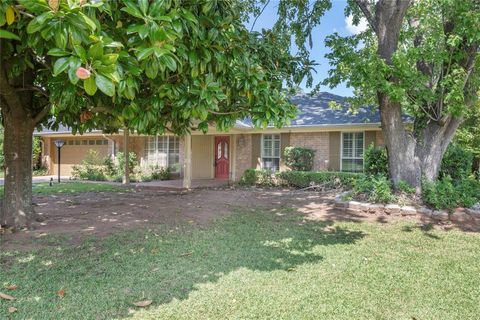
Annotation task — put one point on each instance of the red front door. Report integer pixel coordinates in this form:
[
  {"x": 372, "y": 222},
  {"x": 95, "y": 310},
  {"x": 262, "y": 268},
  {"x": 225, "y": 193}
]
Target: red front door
[{"x": 222, "y": 157}]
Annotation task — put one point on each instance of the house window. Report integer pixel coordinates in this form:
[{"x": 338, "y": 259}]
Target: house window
[
  {"x": 271, "y": 152},
  {"x": 352, "y": 151},
  {"x": 163, "y": 151}
]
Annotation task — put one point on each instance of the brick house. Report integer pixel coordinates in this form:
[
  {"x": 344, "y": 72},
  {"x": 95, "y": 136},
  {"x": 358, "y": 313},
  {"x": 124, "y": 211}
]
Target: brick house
[{"x": 338, "y": 136}]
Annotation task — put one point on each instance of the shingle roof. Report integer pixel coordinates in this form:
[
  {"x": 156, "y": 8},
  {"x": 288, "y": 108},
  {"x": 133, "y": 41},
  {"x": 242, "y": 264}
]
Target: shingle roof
[{"x": 315, "y": 111}]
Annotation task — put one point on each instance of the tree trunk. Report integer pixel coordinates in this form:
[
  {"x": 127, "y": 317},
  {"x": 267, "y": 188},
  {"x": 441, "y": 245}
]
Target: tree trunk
[
  {"x": 17, "y": 203},
  {"x": 400, "y": 145}
]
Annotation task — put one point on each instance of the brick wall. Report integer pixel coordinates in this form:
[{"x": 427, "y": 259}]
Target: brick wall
[
  {"x": 318, "y": 141},
  {"x": 379, "y": 141},
  {"x": 243, "y": 151}
]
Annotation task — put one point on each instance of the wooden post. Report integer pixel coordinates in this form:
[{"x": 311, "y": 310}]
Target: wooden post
[
  {"x": 187, "y": 162},
  {"x": 126, "y": 174}
]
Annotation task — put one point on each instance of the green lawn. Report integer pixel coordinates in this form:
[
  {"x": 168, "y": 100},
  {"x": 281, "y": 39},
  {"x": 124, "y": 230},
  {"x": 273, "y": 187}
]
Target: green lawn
[
  {"x": 71, "y": 187},
  {"x": 253, "y": 265}
]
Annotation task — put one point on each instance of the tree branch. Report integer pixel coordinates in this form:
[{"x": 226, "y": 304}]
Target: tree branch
[
  {"x": 363, "y": 5},
  {"x": 42, "y": 114}
]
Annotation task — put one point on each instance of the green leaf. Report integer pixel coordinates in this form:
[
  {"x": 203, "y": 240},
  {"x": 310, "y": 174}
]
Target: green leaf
[
  {"x": 39, "y": 22},
  {"x": 169, "y": 62},
  {"x": 90, "y": 86},
  {"x": 4, "y": 34},
  {"x": 132, "y": 9},
  {"x": 81, "y": 53},
  {"x": 96, "y": 51},
  {"x": 88, "y": 21},
  {"x": 144, "y": 53},
  {"x": 57, "y": 52},
  {"x": 105, "y": 85},
  {"x": 143, "y": 4},
  {"x": 60, "y": 66},
  {"x": 189, "y": 16}
]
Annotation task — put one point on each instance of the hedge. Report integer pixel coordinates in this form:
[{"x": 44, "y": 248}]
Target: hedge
[
  {"x": 300, "y": 179},
  {"x": 304, "y": 179}
]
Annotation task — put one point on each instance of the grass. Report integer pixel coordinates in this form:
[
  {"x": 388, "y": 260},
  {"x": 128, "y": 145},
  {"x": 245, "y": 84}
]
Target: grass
[
  {"x": 252, "y": 265},
  {"x": 71, "y": 187}
]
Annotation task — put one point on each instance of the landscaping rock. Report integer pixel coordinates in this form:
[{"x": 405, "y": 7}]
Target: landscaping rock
[
  {"x": 376, "y": 208},
  {"x": 408, "y": 211},
  {"x": 474, "y": 213},
  {"x": 365, "y": 206},
  {"x": 425, "y": 211},
  {"x": 440, "y": 215},
  {"x": 354, "y": 205},
  {"x": 460, "y": 215},
  {"x": 392, "y": 209}
]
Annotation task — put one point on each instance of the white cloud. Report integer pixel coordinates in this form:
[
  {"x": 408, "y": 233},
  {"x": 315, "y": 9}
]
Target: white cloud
[{"x": 362, "y": 25}]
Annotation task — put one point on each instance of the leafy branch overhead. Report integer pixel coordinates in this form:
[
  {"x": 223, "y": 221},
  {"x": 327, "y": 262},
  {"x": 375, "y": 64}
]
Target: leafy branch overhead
[{"x": 161, "y": 65}]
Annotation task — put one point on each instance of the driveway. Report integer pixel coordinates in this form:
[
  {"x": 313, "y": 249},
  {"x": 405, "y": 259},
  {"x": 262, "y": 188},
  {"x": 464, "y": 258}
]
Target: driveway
[{"x": 39, "y": 179}]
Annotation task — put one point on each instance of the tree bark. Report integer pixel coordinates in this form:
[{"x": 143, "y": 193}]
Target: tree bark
[{"x": 17, "y": 203}]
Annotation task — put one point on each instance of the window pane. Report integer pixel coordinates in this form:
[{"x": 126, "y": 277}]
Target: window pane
[
  {"x": 352, "y": 165},
  {"x": 359, "y": 145},
  {"x": 272, "y": 164},
  {"x": 219, "y": 150},
  {"x": 225, "y": 150}
]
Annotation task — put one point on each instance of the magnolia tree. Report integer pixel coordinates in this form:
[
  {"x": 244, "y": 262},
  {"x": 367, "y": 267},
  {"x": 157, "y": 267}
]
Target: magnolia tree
[
  {"x": 151, "y": 66},
  {"x": 416, "y": 58}
]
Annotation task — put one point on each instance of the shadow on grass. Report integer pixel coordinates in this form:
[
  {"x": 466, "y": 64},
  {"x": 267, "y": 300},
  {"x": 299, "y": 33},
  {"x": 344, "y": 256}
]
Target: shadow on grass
[
  {"x": 425, "y": 228},
  {"x": 105, "y": 278}
]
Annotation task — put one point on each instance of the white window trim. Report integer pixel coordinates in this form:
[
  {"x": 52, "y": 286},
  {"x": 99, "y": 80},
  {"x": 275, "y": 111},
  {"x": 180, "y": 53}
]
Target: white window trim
[
  {"x": 262, "y": 148},
  {"x": 351, "y": 158}
]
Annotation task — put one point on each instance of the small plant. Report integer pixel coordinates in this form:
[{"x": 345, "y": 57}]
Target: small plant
[
  {"x": 456, "y": 163},
  {"x": 405, "y": 187},
  {"x": 376, "y": 189},
  {"x": 299, "y": 159},
  {"x": 252, "y": 177},
  {"x": 160, "y": 173},
  {"x": 376, "y": 161}
]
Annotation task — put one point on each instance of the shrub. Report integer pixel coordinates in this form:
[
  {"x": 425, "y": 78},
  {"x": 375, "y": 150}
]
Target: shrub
[
  {"x": 253, "y": 177},
  {"x": 92, "y": 168},
  {"x": 456, "y": 163},
  {"x": 440, "y": 194},
  {"x": 376, "y": 161},
  {"x": 299, "y": 159},
  {"x": 132, "y": 161},
  {"x": 304, "y": 179},
  {"x": 249, "y": 177},
  {"x": 377, "y": 188},
  {"x": 161, "y": 173},
  {"x": 36, "y": 153},
  {"x": 449, "y": 194}
]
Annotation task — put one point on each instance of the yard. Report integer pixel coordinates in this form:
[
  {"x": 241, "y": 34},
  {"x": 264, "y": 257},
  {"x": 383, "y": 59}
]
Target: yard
[{"x": 236, "y": 254}]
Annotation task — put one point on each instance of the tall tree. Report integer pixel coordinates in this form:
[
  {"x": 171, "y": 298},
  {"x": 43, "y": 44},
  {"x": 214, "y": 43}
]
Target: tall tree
[
  {"x": 417, "y": 58},
  {"x": 155, "y": 66}
]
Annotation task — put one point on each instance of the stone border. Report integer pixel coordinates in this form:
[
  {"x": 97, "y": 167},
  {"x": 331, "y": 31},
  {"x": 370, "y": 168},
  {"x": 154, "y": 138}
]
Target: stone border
[{"x": 459, "y": 215}]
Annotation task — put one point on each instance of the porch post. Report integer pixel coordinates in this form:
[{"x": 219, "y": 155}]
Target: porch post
[
  {"x": 187, "y": 162},
  {"x": 126, "y": 174}
]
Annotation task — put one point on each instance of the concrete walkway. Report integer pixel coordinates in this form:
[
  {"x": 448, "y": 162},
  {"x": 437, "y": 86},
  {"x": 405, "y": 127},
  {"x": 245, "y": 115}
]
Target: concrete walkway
[
  {"x": 38, "y": 179},
  {"x": 177, "y": 184}
]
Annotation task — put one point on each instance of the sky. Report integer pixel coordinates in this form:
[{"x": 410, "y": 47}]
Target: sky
[{"x": 333, "y": 21}]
